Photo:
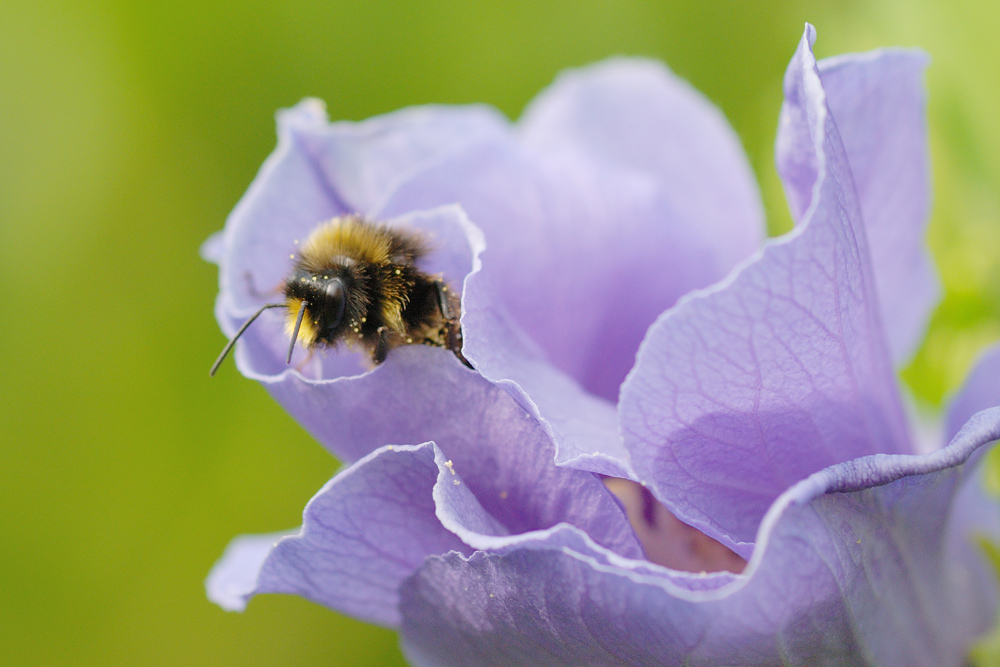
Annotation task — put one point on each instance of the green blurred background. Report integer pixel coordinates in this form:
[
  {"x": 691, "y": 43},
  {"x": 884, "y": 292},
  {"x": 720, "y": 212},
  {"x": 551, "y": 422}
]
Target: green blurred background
[{"x": 128, "y": 130}]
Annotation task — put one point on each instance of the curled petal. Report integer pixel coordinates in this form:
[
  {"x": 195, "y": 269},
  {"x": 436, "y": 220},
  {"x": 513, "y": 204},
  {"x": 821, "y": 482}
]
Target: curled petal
[
  {"x": 489, "y": 482},
  {"x": 744, "y": 389},
  {"x": 878, "y": 102},
  {"x": 505, "y": 455},
  {"x": 850, "y": 561},
  {"x": 362, "y": 534}
]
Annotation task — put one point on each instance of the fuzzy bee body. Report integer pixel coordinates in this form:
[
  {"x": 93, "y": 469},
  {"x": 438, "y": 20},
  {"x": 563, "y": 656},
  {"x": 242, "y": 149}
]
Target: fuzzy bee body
[
  {"x": 356, "y": 282},
  {"x": 361, "y": 286}
]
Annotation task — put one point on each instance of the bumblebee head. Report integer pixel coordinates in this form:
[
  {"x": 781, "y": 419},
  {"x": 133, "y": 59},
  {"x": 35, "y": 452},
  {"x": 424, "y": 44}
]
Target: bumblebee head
[{"x": 316, "y": 303}]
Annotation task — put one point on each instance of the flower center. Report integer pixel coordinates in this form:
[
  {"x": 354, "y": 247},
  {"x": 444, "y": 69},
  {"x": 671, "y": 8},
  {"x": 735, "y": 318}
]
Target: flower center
[{"x": 667, "y": 540}]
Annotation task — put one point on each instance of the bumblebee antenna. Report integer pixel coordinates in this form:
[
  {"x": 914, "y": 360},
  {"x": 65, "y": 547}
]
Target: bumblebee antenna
[
  {"x": 232, "y": 341},
  {"x": 295, "y": 332}
]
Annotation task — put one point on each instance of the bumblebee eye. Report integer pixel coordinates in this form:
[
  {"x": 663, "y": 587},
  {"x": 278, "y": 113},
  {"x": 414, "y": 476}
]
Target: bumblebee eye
[{"x": 335, "y": 303}]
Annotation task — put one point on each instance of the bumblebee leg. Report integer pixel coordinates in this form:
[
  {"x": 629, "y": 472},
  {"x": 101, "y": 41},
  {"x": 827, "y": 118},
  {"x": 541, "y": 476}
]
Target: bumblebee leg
[
  {"x": 442, "y": 299},
  {"x": 381, "y": 345},
  {"x": 452, "y": 329},
  {"x": 453, "y": 340}
]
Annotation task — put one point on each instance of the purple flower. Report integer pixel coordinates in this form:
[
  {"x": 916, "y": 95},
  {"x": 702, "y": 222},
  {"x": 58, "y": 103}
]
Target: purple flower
[{"x": 614, "y": 232}]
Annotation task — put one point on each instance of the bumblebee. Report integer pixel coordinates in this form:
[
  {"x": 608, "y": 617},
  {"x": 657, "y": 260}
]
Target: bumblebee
[{"x": 355, "y": 281}]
